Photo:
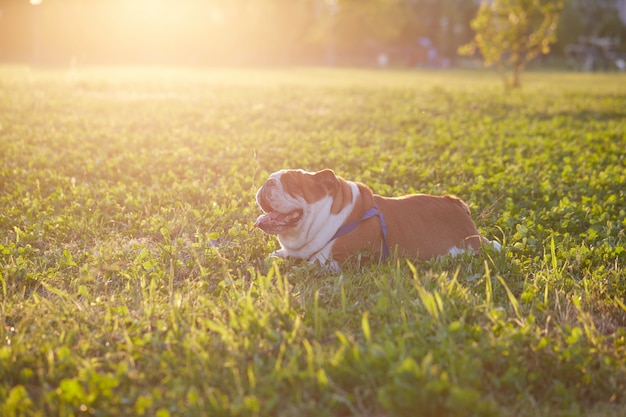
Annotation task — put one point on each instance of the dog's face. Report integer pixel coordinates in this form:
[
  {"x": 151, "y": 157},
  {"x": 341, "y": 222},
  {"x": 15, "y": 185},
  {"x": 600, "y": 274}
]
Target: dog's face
[{"x": 290, "y": 198}]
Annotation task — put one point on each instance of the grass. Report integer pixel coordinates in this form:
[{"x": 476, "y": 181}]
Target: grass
[{"x": 133, "y": 283}]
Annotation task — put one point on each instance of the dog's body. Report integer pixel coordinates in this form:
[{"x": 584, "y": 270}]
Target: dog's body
[{"x": 322, "y": 217}]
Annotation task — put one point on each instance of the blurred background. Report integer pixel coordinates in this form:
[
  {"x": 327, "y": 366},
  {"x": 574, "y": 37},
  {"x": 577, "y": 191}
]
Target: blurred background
[{"x": 399, "y": 33}]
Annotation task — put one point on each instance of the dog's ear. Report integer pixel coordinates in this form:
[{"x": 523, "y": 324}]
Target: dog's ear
[
  {"x": 326, "y": 178},
  {"x": 335, "y": 187}
]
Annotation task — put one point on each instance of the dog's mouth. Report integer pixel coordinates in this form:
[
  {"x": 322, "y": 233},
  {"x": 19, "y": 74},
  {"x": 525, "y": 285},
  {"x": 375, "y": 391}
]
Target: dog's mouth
[{"x": 275, "y": 222}]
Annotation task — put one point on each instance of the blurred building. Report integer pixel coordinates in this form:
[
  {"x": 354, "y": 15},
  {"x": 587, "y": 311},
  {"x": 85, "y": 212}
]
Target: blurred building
[{"x": 621, "y": 7}]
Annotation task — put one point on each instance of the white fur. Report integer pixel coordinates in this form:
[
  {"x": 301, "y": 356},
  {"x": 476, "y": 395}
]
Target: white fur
[
  {"x": 311, "y": 237},
  {"x": 458, "y": 251}
]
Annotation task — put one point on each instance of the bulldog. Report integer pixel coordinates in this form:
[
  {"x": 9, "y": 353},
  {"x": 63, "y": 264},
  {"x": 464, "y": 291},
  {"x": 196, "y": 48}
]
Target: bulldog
[{"x": 321, "y": 217}]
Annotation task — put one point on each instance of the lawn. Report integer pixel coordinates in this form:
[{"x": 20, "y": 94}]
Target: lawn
[{"x": 132, "y": 280}]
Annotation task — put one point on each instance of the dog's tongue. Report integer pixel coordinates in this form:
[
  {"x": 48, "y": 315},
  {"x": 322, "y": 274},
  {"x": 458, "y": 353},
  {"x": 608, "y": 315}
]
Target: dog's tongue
[{"x": 276, "y": 222}]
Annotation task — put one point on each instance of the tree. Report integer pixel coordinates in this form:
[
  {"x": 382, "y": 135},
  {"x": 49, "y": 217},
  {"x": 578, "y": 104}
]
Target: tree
[
  {"x": 591, "y": 18},
  {"x": 511, "y": 33}
]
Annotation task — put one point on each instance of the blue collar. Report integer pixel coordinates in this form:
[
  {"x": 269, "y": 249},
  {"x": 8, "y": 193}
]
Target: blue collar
[{"x": 349, "y": 227}]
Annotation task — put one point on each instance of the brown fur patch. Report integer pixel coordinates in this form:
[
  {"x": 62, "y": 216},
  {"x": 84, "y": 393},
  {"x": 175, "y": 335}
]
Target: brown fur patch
[
  {"x": 419, "y": 225},
  {"x": 299, "y": 183}
]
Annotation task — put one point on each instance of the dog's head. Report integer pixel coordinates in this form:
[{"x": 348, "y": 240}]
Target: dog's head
[{"x": 289, "y": 197}]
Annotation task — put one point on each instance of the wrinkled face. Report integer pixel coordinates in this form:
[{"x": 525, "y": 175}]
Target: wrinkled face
[{"x": 287, "y": 196}]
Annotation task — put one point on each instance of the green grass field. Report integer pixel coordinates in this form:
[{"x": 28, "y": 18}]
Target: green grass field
[{"x": 133, "y": 282}]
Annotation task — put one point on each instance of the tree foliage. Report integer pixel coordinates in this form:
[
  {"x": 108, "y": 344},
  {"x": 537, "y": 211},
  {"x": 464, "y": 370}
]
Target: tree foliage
[{"x": 511, "y": 33}]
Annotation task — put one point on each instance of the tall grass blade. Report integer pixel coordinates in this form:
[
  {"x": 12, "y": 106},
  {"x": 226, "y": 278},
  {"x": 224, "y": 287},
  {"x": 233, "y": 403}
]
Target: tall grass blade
[{"x": 512, "y": 299}]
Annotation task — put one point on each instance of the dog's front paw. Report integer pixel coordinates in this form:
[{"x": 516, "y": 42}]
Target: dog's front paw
[{"x": 281, "y": 253}]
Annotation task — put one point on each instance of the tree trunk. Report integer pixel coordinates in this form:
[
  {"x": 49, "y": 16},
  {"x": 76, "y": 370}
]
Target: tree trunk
[
  {"x": 517, "y": 75},
  {"x": 515, "y": 82}
]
